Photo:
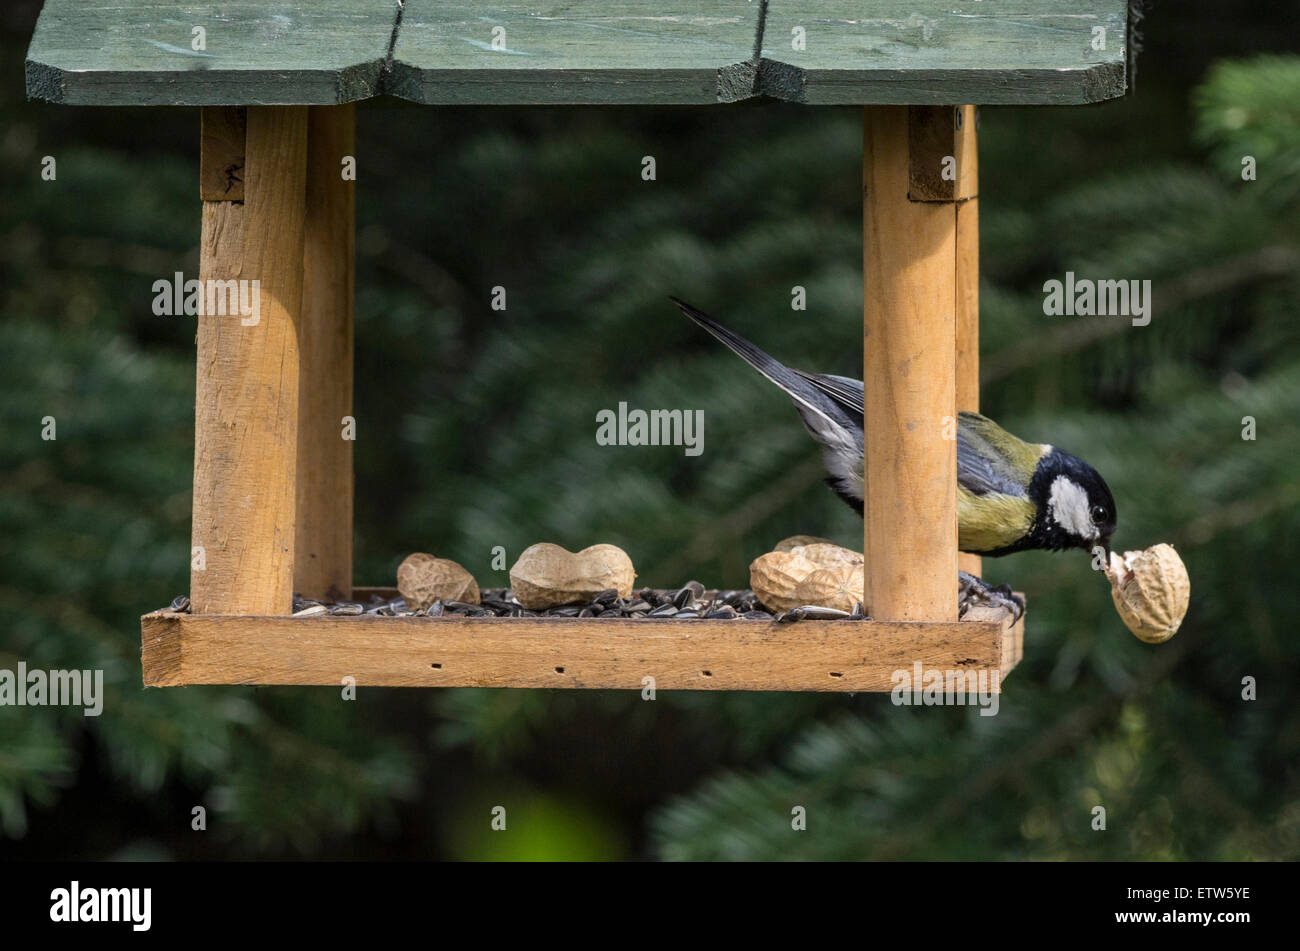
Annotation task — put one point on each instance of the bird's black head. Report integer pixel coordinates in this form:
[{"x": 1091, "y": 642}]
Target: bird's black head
[{"x": 1075, "y": 507}]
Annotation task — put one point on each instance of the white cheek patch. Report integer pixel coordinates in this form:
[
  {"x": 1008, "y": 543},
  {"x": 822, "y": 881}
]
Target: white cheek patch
[{"x": 1068, "y": 507}]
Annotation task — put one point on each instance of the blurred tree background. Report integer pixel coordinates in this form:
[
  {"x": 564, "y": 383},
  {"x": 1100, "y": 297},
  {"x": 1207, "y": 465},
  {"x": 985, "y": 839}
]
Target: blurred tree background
[{"x": 476, "y": 429}]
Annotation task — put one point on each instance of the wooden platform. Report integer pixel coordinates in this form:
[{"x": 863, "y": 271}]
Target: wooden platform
[
  {"x": 325, "y": 52},
  {"x": 181, "y": 649}
]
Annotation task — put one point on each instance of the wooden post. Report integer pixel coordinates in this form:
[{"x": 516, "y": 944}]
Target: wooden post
[
  {"x": 323, "y": 546},
  {"x": 909, "y": 359},
  {"x": 968, "y": 282},
  {"x": 246, "y": 401}
]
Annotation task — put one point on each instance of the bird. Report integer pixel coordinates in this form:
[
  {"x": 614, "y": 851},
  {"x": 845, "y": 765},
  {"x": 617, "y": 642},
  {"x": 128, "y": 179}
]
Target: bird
[{"x": 1012, "y": 495}]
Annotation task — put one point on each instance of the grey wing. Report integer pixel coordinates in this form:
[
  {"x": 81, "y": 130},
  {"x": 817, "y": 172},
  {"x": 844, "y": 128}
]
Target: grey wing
[
  {"x": 844, "y": 391},
  {"x": 981, "y": 469}
]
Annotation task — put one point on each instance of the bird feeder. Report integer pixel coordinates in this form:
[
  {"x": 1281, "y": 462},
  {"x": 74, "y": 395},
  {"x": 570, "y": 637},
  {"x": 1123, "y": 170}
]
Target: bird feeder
[{"x": 277, "y": 85}]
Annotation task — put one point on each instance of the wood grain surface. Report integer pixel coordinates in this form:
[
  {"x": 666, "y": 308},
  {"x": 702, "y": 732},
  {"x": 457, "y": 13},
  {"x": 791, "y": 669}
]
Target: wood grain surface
[
  {"x": 221, "y": 153},
  {"x": 179, "y": 649},
  {"x": 943, "y": 164},
  {"x": 921, "y": 52},
  {"x": 323, "y": 517},
  {"x": 909, "y": 359},
  {"x": 589, "y": 51},
  {"x": 246, "y": 399},
  {"x": 139, "y": 52},
  {"x": 968, "y": 287}
]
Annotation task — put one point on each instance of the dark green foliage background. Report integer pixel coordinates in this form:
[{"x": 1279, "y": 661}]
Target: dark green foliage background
[{"x": 476, "y": 430}]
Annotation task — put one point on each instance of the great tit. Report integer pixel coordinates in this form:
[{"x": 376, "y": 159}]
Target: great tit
[{"x": 1011, "y": 495}]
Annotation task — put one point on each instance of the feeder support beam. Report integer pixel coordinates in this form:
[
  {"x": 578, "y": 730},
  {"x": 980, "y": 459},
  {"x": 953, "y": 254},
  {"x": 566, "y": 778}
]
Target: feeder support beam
[
  {"x": 326, "y": 428},
  {"x": 918, "y": 171},
  {"x": 968, "y": 283},
  {"x": 246, "y": 403}
]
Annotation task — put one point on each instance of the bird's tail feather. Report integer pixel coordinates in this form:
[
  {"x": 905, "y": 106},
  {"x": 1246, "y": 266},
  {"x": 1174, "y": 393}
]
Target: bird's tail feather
[
  {"x": 826, "y": 418},
  {"x": 799, "y": 389}
]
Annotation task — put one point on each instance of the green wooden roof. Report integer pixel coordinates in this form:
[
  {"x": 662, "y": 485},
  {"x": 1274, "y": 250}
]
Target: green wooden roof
[{"x": 314, "y": 52}]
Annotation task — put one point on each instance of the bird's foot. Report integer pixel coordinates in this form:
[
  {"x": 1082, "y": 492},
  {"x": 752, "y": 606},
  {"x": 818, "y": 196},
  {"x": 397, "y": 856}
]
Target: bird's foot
[{"x": 972, "y": 590}]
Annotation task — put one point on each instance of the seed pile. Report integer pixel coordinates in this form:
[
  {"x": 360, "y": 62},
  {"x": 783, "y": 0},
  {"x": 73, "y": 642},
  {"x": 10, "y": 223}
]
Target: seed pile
[{"x": 692, "y": 600}]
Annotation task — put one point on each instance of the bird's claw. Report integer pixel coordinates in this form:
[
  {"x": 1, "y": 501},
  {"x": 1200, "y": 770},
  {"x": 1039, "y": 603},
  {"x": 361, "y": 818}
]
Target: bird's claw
[{"x": 972, "y": 590}]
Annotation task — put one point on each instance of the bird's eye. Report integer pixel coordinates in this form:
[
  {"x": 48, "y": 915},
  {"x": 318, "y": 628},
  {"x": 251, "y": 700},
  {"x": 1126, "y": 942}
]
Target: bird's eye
[{"x": 1099, "y": 513}]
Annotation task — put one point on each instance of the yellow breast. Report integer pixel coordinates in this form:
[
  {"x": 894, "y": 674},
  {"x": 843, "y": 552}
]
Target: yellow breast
[{"x": 993, "y": 521}]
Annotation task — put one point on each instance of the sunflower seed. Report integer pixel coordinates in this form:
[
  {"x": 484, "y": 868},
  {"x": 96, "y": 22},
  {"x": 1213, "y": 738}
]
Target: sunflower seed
[
  {"x": 347, "y": 609},
  {"x": 311, "y": 611},
  {"x": 180, "y": 604},
  {"x": 812, "y": 612},
  {"x": 664, "y": 610}
]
